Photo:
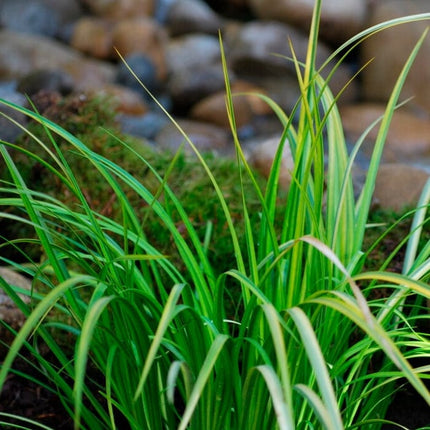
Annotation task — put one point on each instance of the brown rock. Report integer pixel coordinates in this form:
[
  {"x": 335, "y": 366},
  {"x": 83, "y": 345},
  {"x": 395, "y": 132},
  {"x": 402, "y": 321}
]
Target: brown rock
[
  {"x": 263, "y": 154},
  {"x": 20, "y": 55},
  {"x": 90, "y": 74},
  {"x": 398, "y": 186},
  {"x": 124, "y": 100},
  {"x": 9, "y": 312},
  {"x": 339, "y": 20},
  {"x": 143, "y": 36},
  {"x": 408, "y": 136},
  {"x": 390, "y": 49},
  {"x": 206, "y": 137},
  {"x": 93, "y": 36},
  {"x": 246, "y": 105},
  {"x": 119, "y": 9},
  {"x": 192, "y": 16},
  {"x": 283, "y": 90}
]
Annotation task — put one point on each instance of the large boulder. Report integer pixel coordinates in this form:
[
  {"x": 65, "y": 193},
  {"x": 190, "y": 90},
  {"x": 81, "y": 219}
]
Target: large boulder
[
  {"x": 192, "y": 16},
  {"x": 408, "y": 136},
  {"x": 189, "y": 86},
  {"x": 20, "y": 55},
  {"x": 8, "y": 130},
  {"x": 93, "y": 36},
  {"x": 260, "y": 50},
  {"x": 390, "y": 49},
  {"x": 206, "y": 137},
  {"x": 262, "y": 155},
  {"x": 29, "y": 17},
  {"x": 398, "y": 186},
  {"x": 339, "y": 19},
  {"x": 9, "y": 312},
  {"x": 142, "y": 36},
  {"x": 118, "y": 9},
  {"x": 190, "y": 51},
  {"x": 247, "y": 105}
]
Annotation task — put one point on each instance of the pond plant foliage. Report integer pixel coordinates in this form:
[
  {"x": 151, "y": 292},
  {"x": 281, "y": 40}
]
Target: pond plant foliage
[{"x": 291, "y": 335}]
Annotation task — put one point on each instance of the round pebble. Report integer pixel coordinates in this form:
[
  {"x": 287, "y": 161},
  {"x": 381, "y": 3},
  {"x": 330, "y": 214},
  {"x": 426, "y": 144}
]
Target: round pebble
[
  {"x": 29, "y": 17},
  {"x": 146, "y": 126},
  {"x": 143, "y": 68},
  {"x": 50, "y": 80}
]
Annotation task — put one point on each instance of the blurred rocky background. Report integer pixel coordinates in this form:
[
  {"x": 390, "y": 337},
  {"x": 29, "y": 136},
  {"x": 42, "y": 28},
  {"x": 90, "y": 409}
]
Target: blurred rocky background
[{"x": 58, "y": 47}]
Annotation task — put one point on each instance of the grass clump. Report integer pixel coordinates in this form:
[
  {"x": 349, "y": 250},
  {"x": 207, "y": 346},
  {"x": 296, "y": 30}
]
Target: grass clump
[{"x": 302, "y": 347}]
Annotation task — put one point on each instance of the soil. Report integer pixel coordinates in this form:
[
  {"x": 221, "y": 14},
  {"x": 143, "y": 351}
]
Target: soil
[
  {"x": 27, "y": 399},
  {"x": 409, "y": 410}
]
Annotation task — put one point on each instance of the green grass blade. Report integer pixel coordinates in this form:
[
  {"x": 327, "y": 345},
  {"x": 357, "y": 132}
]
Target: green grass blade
[
  {"x": 317, "y": 360},
  {"x": 202, "y": 379},
  {"x": 169, "y": 312},
  {"x": 82, "y": 353},
  {"x": 272, "y": 318},
  {"x": 282, "y": 409}
]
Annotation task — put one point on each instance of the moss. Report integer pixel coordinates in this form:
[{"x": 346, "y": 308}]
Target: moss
[{"x": 92, "y": 122}]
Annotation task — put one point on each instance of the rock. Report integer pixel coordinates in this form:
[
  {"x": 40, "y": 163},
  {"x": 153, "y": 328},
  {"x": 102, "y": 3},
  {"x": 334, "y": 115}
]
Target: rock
[
  {"x": 67, "y": 11},
  {"x": 124, "y": 99},
  {"x": 192, "y": 51},
  {"x": 399, "y": 186},
  {"x": 8, "y": 130},
  {"x": 206, "y": 137},
  {"x": 20, "y": 55},
  {"x": 235, "y": 9},
  {"x": 29, "y": 17},
  {"x": 390, "y": 49},
  {"x": 408, "y": 136},
  {"x": 187, "y": 87},
  {"x": 90, "y": 74},
  {"x": 192, "y": 16},
  {"x": 49, "y": 80},
  {"x": 119, "y": 9},
  {"x": 213, "y": 109},
  {"x": 262, "y": 155},
  {"x": 339, "y": 20},
  {"x": 162, "y": 8},
  {"x": 142, "y": 36},
  {"x": 144, "y": 69},
  {"x": 258, "y": 51},
  {"x": 9, "y": 312},
  {"x": 146, "y": 126},
  {"x": 283, "y": 90},
  {"x": 257, "y": 47},
  {"x": 93, "y": 36}
]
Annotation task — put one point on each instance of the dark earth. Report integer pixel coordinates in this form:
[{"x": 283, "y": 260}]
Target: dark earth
[{"x": 27, "y": 399}]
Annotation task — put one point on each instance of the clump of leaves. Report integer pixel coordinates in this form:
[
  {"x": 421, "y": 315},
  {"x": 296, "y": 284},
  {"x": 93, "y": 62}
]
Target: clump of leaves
[{"x": 301, "y": 351}]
